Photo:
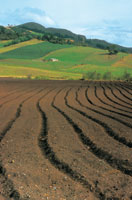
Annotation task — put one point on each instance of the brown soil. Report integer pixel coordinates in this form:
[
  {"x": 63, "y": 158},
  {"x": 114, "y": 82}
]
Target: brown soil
[{"x": 65, "y": 140}]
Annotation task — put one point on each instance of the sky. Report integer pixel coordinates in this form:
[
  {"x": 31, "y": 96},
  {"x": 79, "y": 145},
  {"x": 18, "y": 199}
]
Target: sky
[{"x": 109, "y": 20}]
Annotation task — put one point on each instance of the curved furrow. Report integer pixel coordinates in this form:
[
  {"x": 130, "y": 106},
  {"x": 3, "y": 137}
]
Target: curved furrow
[
  {"x": 10, "y": 124},
  {"x": 119, "y": 97},
  {"x": 13, "y": 193},
  {"x": 8, "y": 100},
  {"x": 12, "y": 92},
  {"x": 113, "y": 101},
  {"x": 108, "y": 104},
  {"x": 17, "y": 96},
  {"x": 17, "y": 115},
  {"x": 124, "y": 95},
  {"x": 88, "y": 128},
  {"x": 86, "y": 95},
  {"x": 55, "y": 161},
  {"x": 115, "y": 130},
  {"x": 108, "y": 130},
  {"x": 118, "y": 164},
  {"x": 72, "y": 160},
  {"x": 102, "y": 113},
  {"x": 129, "y": 87},
  {"x": 112, "y": 111},
  {"x": 123, "y": 88},
  {"x": 102, "y": 107}
]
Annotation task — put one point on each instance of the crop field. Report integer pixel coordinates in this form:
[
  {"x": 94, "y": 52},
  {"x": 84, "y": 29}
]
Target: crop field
[
  {"x": 33, "y": 51},
  {"x": 65, "y": 140},
  {"x": 17, "y": 46},
  {"x": 74, "y": 62},
  {"x": 2, "y": 43}
]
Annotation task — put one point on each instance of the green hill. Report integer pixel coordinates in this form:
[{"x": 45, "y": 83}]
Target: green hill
[
  {"x": 79, "y": 39},
  {"x": 32, "y": 27},
  {"x": 31, "y": 30},
  {"x": 102, "y": 44},
  {"x": 29, "y": 54},
  {"x": 7, "y": 33},
  {"x": 55, "y": 31},
  {"x": 34, "y": 51},
  {"x": 72, "y": 62}
]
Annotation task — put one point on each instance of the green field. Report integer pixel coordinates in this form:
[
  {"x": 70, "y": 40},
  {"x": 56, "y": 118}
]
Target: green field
[
  {"x": 74, "y": 62},
  {"x": 32, "y": 51},
  {"x": 16, "y": 46},
  {"x": 2, "y": 43}
]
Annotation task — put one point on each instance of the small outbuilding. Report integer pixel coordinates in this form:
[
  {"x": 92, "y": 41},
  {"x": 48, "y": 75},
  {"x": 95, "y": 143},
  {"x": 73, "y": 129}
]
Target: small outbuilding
[{"x": 53, "y": 59}]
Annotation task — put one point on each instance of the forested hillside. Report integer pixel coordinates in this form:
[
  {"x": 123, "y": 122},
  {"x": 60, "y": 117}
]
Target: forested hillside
[{"x": 32, "y": 30}]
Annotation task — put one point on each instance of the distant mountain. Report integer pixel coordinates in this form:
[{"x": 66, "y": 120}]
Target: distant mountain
[
  {"x": 11, "y": 33},
  {"x": 33, "y": 29},
  {"x": 32, "y": 26},
  {"x": 102, "y": 44},
  {"x": 62, "y": 32},
  {"x": 6, "y": 33}
]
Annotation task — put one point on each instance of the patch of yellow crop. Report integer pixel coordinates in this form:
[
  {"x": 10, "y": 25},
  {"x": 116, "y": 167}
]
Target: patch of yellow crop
[
  {"x": 22, "y": 44},
  {"x": 4, "y": 41},
  {"x": 18, "y": 71},
  {"x": 83, "y": 66},
  {"x": 126, "y": 61}
]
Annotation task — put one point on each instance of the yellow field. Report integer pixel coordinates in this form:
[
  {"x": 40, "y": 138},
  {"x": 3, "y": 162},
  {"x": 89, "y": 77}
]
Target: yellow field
[
  {"x": 22, "y": 44},
  {"x": 18, "y": 71},
  {"x": 125, "y": 61},
  {"x": 4, "y": 41},
  {"x": 73, "y": 63}
]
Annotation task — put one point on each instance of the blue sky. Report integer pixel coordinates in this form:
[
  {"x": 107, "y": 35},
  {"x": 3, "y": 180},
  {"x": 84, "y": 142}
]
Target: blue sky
[{"x": 110, "y": 20}]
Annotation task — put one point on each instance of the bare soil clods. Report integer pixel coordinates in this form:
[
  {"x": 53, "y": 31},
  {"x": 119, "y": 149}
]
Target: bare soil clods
[{"x": 65, "y": 140}]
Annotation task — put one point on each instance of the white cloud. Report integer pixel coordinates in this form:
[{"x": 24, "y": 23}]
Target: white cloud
[
  {"x": 112, "y": 31},
  {"x": 24, "y": 15},
  {"x": 101, "y": 19},
  {"x": 40, "y": 18}
]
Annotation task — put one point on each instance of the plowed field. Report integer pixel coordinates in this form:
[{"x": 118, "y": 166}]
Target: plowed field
[{"x": 65, "y": 140}]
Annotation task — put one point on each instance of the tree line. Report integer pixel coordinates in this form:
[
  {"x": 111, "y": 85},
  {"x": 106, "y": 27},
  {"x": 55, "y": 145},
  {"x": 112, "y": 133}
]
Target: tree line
[{"x": 18, "y": 34}]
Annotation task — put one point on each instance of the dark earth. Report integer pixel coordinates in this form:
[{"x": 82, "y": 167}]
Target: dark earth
[{"x": 65, "y": 140}]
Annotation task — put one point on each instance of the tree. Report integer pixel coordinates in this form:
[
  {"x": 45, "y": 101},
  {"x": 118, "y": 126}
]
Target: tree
[
  {"x": 107, "y": 76},
  {"x": 112, "y": 49},
  {"x": 126, "y": 76}
]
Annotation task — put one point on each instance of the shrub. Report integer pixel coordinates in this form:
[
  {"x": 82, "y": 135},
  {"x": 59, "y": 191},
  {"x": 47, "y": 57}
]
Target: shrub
[
  {"x": 107, "y": 76},
  {"x": 98, "y": 76},
  {"x": 29, "y": 76},
  {"x": 92, "y": 76},
  {"x": 126, "y": 76},
  {"x": 19, "y": 40},
  {"x": 41, "y": 77}
]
